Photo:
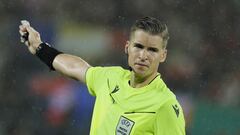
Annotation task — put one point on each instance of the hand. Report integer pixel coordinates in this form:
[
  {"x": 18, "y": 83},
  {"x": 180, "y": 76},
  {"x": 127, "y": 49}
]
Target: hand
[{"x": 34, "y": 39}]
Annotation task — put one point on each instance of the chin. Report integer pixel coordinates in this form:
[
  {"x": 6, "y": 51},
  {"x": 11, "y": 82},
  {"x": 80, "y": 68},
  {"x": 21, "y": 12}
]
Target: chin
[{"x": 139, "y": 72}]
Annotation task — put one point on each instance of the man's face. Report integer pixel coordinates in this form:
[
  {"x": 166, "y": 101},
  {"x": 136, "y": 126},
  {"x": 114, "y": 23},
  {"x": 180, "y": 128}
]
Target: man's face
[{"x": 145, "y": 52}]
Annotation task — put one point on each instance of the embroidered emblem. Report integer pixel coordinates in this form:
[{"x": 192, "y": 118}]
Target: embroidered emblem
[
  {"x": 124, "y": 126},
  {"x": 176, "y": 109},
  {"x": 114, "y": 91}
]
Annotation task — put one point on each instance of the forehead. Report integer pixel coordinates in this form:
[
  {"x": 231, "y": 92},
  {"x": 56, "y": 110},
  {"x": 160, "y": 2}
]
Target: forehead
[{"x": 146, "y": 39}]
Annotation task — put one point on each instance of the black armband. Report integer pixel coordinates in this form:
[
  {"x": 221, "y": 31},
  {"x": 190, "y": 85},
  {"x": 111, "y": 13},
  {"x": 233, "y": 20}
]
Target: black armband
[{"x": 47, "y": 54}]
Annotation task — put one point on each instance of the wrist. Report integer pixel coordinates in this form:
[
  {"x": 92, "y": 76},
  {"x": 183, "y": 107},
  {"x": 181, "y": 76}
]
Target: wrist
[
  {"x": 47, "y": 54},
  {"x": 40, "y": 46}
]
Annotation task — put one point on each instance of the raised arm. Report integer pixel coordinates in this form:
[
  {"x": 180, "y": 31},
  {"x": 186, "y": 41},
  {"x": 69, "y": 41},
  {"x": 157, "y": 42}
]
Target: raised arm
[{"x": 69, "y": 65}]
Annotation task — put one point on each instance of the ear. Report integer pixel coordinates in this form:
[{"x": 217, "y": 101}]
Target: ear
[
  {"x": 126, "y": 47},
  {"x": 163, "y": 55}
]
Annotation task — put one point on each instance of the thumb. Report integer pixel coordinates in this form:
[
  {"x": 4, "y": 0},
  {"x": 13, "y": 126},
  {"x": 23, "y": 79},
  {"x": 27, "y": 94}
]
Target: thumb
[{"x": 30, "y": 29}]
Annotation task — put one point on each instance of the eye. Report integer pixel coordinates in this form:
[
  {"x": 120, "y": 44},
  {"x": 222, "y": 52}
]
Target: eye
[
  {"x": 153, "y": 49},
  {"x": 138, "y": 46}
]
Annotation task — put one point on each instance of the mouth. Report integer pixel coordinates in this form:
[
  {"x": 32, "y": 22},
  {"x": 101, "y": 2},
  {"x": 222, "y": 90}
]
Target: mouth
[{"x": 141, "y": 65}]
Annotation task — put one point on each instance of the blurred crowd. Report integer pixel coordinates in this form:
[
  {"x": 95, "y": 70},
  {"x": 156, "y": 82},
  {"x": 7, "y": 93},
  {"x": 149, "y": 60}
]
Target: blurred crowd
[{"x": 202, "y": 66}]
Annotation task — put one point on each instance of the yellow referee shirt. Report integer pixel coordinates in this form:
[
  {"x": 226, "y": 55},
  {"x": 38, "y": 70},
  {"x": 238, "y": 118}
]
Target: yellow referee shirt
[{"x": 123, "y": 110}]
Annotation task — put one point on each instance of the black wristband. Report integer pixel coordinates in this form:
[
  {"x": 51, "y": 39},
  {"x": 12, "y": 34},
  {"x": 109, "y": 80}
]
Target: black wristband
[{"x": 47, "y": 54}]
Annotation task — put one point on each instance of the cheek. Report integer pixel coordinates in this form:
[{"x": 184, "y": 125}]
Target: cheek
[
  {"x": 130, "y": 59},
  {"x": 155, "y": 60},
  {"x": 132, "y": 54}
]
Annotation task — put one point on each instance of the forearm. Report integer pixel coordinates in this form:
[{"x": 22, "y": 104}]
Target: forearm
[{"x": 71, "y": 66}]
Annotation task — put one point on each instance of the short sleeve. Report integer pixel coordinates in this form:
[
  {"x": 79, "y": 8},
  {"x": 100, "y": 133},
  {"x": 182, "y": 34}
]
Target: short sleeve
[
  {"x": 95, "y": 77},
  {"x": 170, "y": 119}
]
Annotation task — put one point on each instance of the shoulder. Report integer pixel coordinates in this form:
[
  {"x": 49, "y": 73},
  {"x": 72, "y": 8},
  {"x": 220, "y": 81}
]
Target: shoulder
[
  {"x": 167, "y": 99},
  {"x": 107, "y": 68},
  {"x": 163, "y": 91},
  {"x": 97, "y": 77},
  {"x": 172, "y": 110},
  {"x": 111, "y": 70},
  {"x": 170, "y": 118},
  {"x": 114, "y": 69},
  {"x": 170, "y": 105}
]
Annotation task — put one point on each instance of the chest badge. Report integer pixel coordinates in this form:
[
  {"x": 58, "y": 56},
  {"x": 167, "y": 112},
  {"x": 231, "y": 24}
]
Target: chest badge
[{"x": 124, "y": 126}]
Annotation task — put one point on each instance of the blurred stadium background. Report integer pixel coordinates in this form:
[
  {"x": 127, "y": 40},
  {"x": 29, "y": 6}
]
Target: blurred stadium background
[{"x": 202, "y": 68}]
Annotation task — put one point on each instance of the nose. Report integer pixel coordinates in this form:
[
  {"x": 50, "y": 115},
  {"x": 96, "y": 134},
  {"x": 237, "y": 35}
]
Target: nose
[{"x": 143, "y": 55}]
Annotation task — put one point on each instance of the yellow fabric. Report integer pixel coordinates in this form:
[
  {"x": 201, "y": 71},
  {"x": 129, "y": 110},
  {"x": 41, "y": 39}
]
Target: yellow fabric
[{"x": 122, "y": 110}]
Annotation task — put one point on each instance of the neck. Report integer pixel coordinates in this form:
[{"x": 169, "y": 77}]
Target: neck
[{"x": 138, "y": 81}]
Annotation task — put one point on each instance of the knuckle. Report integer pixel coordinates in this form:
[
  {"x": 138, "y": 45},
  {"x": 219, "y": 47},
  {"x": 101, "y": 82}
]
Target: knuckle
[{"x": 37, "y": 34}]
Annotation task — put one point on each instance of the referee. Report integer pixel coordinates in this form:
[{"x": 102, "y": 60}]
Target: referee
[{"x": 128, "y": 102}]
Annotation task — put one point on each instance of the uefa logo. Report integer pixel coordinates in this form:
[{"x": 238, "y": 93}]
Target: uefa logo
[{"x": 125, "y": 122}]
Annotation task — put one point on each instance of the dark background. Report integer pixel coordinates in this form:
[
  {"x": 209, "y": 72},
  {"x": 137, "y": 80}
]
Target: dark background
[{"x": 202, "y": 67}]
